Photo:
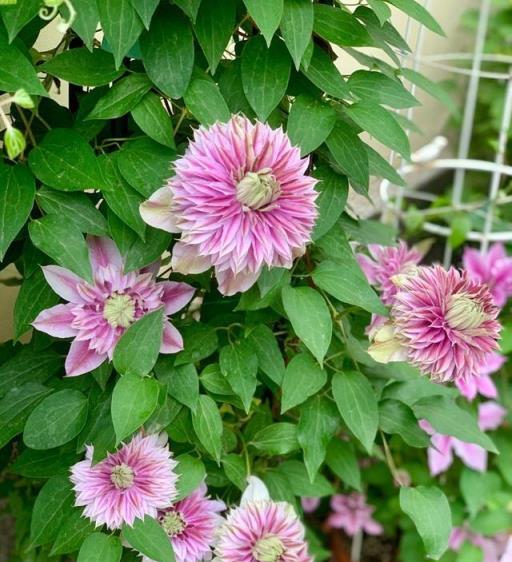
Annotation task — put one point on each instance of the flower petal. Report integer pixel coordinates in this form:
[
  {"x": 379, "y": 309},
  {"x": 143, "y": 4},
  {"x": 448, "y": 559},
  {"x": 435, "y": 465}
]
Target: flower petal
[
  {"x": 103, "y": 252},
  {"x": 231, "y": 283},
  {"x": 256, "y": 491},
  {"x": 185, "y": 259},
  {"x": 157, "y": 211},
  {"x": 63, "y": 282},
  {"x": 56, "y": 321},
  {"x": 472, "y": 455},
  {"x": 81, "y": 359},
  {"x": 172, "y": 342},
  {"x": 176, "y": 295},
  {"x": 490, "y": 415}
]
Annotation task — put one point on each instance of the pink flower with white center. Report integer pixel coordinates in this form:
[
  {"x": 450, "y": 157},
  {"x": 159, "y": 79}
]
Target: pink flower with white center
[
  {"x": 191, "y": 524},
  {"x": 352, "y": 514},
  {"x": 493, "y": 268},
  {"x": 137, "y": 480},
  {"x": 261, "y": 530},
  {"x": 97, "y": 315},
  {"x": 441, "y": 322},
  {"x": 241, "y": 199},
  {"x": 440, "y": 454},
  {"x": 385, "y": 263},
  {"x": 483, "y": 383},
  {"x": 492, "y": 547},
  {"x": 309, "y": 505}
]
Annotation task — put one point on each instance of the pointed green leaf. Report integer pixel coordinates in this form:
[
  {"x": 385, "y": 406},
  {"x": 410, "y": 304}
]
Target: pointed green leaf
[
  {"x": 322, "y": 71},
  {"x": 303, "y": 378},
  {"x": 86, "y": 21},
  {"x": 333, "y": 189},
  {"x": 145, "y": 9},
  {"x": 397, "y": 418},
  {"x": 270, "y": 360},
  {"x": 148, "y": 537},
  {"x": 205, "y": 101},
  {"x": 153, "y": 119},
  {"x": 99, "y": 547},
  {"x": 342, "y": 460},
  {"x": 18, "y": 15},
  {"x": 75, "y": 528},
  {"x": 267, "y": 15},
  {"x": 191, "y": 473},
  {"x": 379, "y": 88},
  {"x": 339, "y": 26},
  {"x": 416, "y": 11},
  {"x": 297, "y": 27},
  {"x": 190, "y": 7},
  {"x": 208, "y": 426},
  {"x": 276, "y": 439},
  {"x": 239, "y": 364}
]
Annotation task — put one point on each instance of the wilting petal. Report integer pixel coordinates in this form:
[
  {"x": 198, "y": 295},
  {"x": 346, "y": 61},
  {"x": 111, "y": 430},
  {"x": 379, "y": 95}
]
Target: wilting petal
[
  {"x": 231, "y": 283},
  {"x": 490, "y": 415},
  {"x": 63, "y": 282},
  {"x": 172, "y": 342},
  {"x": 81, "y": 359},
  {"x": 176, "y": 295},
  {"x": 186, "y": 260},
  {"x": 157, "y": 211},
  {"x": 256, "y": 491},
  {"x": 56, "y": 321},
  {"x": 103, "y": 253}
]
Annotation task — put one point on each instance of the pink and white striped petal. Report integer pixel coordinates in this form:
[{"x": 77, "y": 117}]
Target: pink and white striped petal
[
  {"x": 103, "y": 253},
  {"x": 63, "y": 282},
  {"x": 172, "y": 342},
  {"x": 176, "y": 295},
  {"x": 157, "y": 211},
  {"x": 81, "y": 359},
  {"x": 56, "y": 321}
]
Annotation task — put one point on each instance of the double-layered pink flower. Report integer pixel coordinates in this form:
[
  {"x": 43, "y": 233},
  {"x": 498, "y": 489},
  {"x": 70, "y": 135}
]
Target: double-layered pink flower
[
  {"x": 98, "y": 314},
  {"x": 242, "y": 201},
  {"x": 137, "y": 480}
]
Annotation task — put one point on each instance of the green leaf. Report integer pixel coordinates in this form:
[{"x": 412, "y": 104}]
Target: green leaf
[
  {"x": 310, "y": 122},
  {"x": 137, "y": 350},
  {"x": 29, "y": 365},
  {"x": 342, "y": 277},
  {"x": 86, "y": 21},
  {"x": 99, "y": 547},
  {"x": 460, "y": 225},
  {"x": 200, "y": 341},
  {"x": 75, "y": 206},
  {"x": 134, "y": 399},
  {"x": 17, "y": 71},
  {"x": 270, "y": 360},
  {"x": 235, "y": 470},
  {"x": 317, "y": 424},
  {"x": 205, "y": 102},
  {"x": 83, "y": 67},
  {"x": 432, "y": 88},
  {"x": 51, "y": 507},
  {"x": 419, "y": 13},
  {"x": 379, "y": 88},
  {"x": 14, "y": 142},
  {"x": 382, "y": 168},
  {"x": 339, "y": 26},
  {"x": 121, "y": 98},
  {"x": 16, "y": 406},
  {"x": 153, "y": 119},
  {"x": 410, "y": 391},
  {"x": 357, "y": 404},
  {"x": 277, "y": 439},
  {"x": 397, "y": 417},
  {"x": 381, "y": 10},
  {"x": 449, "y": 419},
  {"x": 215, "y": 23},
  {"x": 478, "y": 488},
  {"x": 303, "y": 378},
  {"x": 333, "y": 190},
  {"x": 44, "y": 464},
  {"x": 182, "y": 382},
  {"x": 191, "y": 474},
  {"x": 145, "y": 9},
  {"x": 350, "y": 153},
  {"x": 145, "y": 165},
  {"x": 265, "y": 74},
  {"x": 73, "y": 531},
  {"x": 190, "y": 7},
  {"x": 267, "y": 15},
  {"x": 64, "y": 160},
  {"x": 168, "y": 51},
  {"x": 17, "y": 16},
  {"x": 148, "y": 537},
  {"x": 322, "y": 71},
  {"x": 62, "y": 240},
  {"x": 342, "y": 460},
  {"x": 297, "y": 27},
  {"x": 143, "y": 253},
  {"x": 121, "y": 25},
  {"x": 17, "y": 191},
  {"x": 56, "y": 420},
  {"x": 300, "y": 483},
  {"x": 208, "y": 426},
  {"x": 430, "y": 512},
  {"x": 239, "y": 364},
  {"x": 381, "y": 124},
  {"x": 310, "y": 318},
  {"x": 35, "y": 295}
]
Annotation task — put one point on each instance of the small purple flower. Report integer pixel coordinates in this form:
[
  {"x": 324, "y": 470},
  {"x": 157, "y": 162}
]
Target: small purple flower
[
  {"x": 352, "y": 514},
  {"x": 483, "y": 383},
  {"x": 309, "y": 505},
  {"x": 440, "y": 454},
  {"x": 493, "y": 268},
  {"x": 97, "y": 315},
  {"x": 137, "y": 480},
  {"x": 495, "y": 549}
]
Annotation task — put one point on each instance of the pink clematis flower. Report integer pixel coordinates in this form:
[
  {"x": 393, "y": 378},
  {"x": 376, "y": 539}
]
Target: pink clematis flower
[
  {"x": 440, "y": 454},
  {"x": 241, "y": 199},
  {"x": 352, "y": 514},
  {"x": 261, "y": 530},
  {"x": 494, "y": 268},
  {"x": 494, "y": 549},
  {"x": 441, "y": 322},
  {"x": 483, "y": 383},
  {"x": 309, "y": 505},
  {"x": 137, "y": 480},
  {"x": 191, "y": 524},
  {"x": 97, "y": 315}
]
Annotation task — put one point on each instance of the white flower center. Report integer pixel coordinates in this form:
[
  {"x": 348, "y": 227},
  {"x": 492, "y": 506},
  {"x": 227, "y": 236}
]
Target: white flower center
[
  {"x": 464, "y": 313},
  {"x": 268, "y": 549},
  {"x": 173, "y": 523},
  {"x": 119, "y": 310},
  {"x": 258, "y": 190},
  {"x": 122, "y": 476}
]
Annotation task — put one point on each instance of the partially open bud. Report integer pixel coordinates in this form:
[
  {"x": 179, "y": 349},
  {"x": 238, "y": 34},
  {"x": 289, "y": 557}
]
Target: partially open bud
[
  {"x": 268, "y": 549},
  {"x": 386, "y": 347},
  {"x": 464, "y": 312},
  {"x": 257, "y": 190}
]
